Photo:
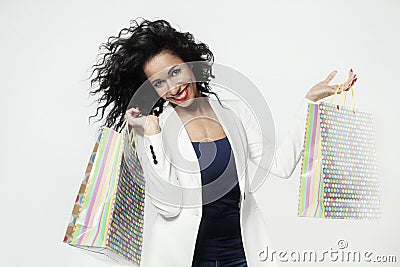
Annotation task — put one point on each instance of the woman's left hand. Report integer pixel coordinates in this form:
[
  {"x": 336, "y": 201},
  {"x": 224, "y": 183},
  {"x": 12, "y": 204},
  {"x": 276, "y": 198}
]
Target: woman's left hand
[{"x": 323, "y": 89}]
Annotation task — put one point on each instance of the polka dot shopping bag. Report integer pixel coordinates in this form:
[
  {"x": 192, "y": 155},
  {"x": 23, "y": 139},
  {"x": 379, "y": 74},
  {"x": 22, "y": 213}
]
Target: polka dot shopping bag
[{"x": 339, "y": 177}]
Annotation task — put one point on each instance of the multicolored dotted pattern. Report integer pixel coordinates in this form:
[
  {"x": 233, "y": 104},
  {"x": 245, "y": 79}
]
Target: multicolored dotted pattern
[
  {"x": 126, "y": 231},
  {"x": 343, "y": 159}
]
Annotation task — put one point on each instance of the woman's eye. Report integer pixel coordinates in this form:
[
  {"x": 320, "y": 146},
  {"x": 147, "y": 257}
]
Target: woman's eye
[
  {"x": 156, "y": 84},
  {"x": 176, "y": 71}
]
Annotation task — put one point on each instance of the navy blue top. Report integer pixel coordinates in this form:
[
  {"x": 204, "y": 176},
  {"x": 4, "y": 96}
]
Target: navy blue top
[{"x": 219, "y": 236}]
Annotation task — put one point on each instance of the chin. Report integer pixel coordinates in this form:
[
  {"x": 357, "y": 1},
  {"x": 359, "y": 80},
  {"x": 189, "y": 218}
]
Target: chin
[{"x": 186, "y": 103}]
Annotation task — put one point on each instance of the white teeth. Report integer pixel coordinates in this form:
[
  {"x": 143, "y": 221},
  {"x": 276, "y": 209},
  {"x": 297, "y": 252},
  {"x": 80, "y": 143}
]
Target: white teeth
[{"x": 181, "y": 94}]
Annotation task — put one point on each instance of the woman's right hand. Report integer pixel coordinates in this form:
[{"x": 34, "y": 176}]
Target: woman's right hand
[{"x": 148, "y": 123}]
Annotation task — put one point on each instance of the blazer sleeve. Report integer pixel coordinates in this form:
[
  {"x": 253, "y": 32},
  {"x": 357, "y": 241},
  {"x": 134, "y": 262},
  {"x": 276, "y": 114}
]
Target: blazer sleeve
[
  {"x": 162, "y": 184},
  {"x": 288, "y": 153}
]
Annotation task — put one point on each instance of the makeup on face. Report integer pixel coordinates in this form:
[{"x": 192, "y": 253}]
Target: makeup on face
[
  {"x": 171, "y": 77},
  {"x": 181, "y": 95}
]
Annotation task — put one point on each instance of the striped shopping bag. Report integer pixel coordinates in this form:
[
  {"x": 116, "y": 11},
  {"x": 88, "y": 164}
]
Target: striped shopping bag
[
  {"x": 338, "y": 172},
  {"x": 108, "y": 215}
]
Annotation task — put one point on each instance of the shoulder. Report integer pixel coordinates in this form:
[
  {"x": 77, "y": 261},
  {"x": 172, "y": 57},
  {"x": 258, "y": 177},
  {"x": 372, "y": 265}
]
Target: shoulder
[
  {"x": 238, "y": 106},
  {"x": 235, "y": 104}
]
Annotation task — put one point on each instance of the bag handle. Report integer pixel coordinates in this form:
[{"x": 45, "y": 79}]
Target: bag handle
[
  {"x": 131, "y": 140},
  {"x": 341, "y": 97}
]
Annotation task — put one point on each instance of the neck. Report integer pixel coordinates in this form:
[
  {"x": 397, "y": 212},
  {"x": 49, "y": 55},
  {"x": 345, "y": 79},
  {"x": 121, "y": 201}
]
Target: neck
[{"x": 198, "y": 107}]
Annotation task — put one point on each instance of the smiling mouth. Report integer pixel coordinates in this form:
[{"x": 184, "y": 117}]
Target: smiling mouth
[{"x": 182, "y": 95}]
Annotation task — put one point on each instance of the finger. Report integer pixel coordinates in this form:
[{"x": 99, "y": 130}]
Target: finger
[
  {"x": 353, "y": 82},
  {"x": 350, "y": 82},
  {"x": 137, "y": 121},
  {"x": 133, "y": 111},
  {"x": 351, "y": 72},
  {"x": 330, "y": 77},
  {"x": 346, "y": 85},
  {"x": 132, "y": 116},
  {"x": 352, "y": 75}
]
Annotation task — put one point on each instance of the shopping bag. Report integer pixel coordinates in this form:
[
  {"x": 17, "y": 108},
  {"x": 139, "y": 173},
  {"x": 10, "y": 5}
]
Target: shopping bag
[
  {"x": 338, "y": 171},
  {"x": 108, "y": 215}
]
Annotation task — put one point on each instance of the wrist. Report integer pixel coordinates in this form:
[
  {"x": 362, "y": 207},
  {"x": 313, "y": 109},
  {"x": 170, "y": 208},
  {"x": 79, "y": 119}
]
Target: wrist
[
  {"x": 151, "y": 126},
  {"x": 152, "y": 130}
]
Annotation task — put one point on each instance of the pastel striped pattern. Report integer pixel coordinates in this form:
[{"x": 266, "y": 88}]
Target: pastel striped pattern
[
  {"x": 318, "y": 179},
  {"x": 94, "y": 217},
  {"x": 311, "y": 166}
]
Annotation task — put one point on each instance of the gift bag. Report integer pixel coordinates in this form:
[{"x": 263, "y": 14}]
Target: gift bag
[
  {"x": 338, "y": 171},
  {"x": 108, "y": 215}
]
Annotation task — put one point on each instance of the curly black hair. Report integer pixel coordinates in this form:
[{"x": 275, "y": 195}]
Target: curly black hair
[{"x": 119, "y": 70}]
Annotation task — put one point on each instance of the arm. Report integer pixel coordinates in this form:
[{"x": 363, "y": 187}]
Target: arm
[
  {"x": 162, "y": 183},
  {"x": 288, "y": 154}
]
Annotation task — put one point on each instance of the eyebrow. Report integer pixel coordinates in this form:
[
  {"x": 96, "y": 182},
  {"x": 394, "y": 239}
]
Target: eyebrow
[
  {"x": 169, "y": 72},
  {"x": 171, "y": 69}
]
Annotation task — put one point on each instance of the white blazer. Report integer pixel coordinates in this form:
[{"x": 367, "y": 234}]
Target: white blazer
[{"x": 172, "y": 219}]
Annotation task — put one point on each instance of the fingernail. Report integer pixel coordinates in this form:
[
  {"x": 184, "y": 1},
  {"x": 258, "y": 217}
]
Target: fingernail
[{"x": 351, "y": 70}]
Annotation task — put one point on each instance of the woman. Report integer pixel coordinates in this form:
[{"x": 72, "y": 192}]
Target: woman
[{"x": 228, "y": 231}]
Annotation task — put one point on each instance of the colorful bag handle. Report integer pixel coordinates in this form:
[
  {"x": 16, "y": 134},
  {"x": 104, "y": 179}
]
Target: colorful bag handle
[
  {"x": 131, "y": 140},
  {"x": 352, "y": 94}
]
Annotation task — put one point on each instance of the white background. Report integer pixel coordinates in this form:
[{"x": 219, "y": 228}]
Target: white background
[{"x": 284, "y": 47}]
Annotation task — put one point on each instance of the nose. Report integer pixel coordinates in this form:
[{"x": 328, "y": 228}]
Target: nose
[{"x": 169, "y": 84}]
